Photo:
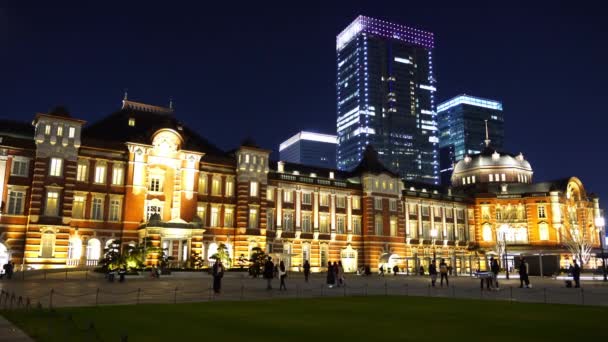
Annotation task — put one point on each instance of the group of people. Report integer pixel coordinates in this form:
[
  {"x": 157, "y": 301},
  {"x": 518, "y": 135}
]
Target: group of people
[
  {"x": 272, "y": 271},
  {"x": 443, "y": 271},
  {"x": 8, "y": 269},
  {"x": 122, "y": 271},
  {"x": 335, "y": 274}
]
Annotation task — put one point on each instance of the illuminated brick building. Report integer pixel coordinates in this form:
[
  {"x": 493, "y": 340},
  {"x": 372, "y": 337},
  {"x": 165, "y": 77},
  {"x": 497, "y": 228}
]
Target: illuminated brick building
[{"x": 69, "y": 189}]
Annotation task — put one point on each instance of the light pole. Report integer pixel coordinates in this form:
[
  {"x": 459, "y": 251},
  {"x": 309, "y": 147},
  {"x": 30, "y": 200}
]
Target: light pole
[
  {"x": 599, "y": 223},
  {"x": 503, "y": 230}
]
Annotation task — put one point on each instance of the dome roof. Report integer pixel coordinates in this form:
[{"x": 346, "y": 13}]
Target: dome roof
[{"x": 489, "y": 159}]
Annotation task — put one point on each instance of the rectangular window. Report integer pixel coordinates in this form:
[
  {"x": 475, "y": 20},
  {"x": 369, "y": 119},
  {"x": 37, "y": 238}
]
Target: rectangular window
[
  {"x": 288, "y": 196},
  {"x": 202, "y": 183},
  {"x": 392, "y": 204},
  {"x": 356, "y": 202},
  {"x": 19, "y": 168},
  {"x": 52, "y": 203},
  {"x": 155, "y": 184},
  {"x": 393, "y": 227},
  {"x": 324, "y": 254},
  {"x": 15, "y": 202},
  {"x": 153, "y": 209},
  {"x": 78, "y": 206},
  {"x": 117, "y": 175},
  {"x": 97, "y": 209},
  {"x": 228, "y": 217},
  {"x": 485, "y": 212},
  {"x": 412, "y": 209},
  {"x": 229, "y": 188},
  {"x": 324, "y": 223},
  {"x": 71, "y": 132},
  {"x": 503, "y": 177},
  {"x": 356, "y": 225},
  {"x": 270, "y": 219},
  {"x": 59, "y": 131},
  {"x": 340, "y": 201},
  {"x": 437, "y": 211},
  {"x": 100, "y": 174},
  {"x": 378, "y": 203},
  {"x": 253, "y": 217},
  {"x": 306, "y": 222},
  {"x": 47, "y": 129},
  {"x": 288, "y": 221},
  {"x": 378, "y": 224},
  {"x": 413, "y": 229},
  {"x": 55, "y": 169},
  {"x": 215, "y": 217},
  {"x": 82, "y": 172},
  {"x": 253, "y": 189},
  {"x": 114, "y": 210},
  {"x": 543, "y": 231},
  {"x": 460, "y": 213},
  {"x": 425, "y": 211},
  {"x": 340, "y": 226},
  {"x": 324, "y": 200},
  {"x": 541, "y": 212},
  {"x": 491, "y": 177},
  {"x": 307, "y": 198},
  {"x": 270, "y": 194},
  {"x": 216, "y": 186},
  {"x": 449, "y": 213},
  {"x": 200, "y": 212}
]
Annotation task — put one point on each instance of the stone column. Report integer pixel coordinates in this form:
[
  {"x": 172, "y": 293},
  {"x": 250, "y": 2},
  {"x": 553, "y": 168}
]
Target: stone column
[
  {"x": 420, "y": 220},
  {"x": 279, "y": 201},
  {"x": 349, "y": 214},
  {"x": 3, "y": 163},
  {"x": 298, "y": 210},
  {"x": 454, "y": 216},
  {"x": 332, "y": 212},
  {"x": 443, "y": 225},
  {"x": 315, "y": 211},
  {"x": 407, "y": 218},
  {"x": 432, "y": 213}
]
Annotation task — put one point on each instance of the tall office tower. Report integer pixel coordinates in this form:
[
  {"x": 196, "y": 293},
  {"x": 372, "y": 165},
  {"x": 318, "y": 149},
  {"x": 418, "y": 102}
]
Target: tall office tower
[
  {"x": 310, "y": 149},
  {"x": 462, "y": 129},
  {"x": 385, "y": 89}
]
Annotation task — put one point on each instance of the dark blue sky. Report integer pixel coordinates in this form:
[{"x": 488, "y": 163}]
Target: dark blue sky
[{"x": 267, "y": 69}]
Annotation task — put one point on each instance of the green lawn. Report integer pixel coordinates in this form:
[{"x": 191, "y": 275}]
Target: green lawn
[{"x": 316, "y": 320}]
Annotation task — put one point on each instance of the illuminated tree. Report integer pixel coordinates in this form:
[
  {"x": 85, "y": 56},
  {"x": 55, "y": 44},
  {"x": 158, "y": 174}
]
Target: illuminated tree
[
  {"x": 573, "y": 233},
  {"x": 223, "y": 254}
]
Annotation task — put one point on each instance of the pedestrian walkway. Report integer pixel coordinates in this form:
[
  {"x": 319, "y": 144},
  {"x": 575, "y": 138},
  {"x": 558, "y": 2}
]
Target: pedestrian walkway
[{"x": 9, "y": 332}]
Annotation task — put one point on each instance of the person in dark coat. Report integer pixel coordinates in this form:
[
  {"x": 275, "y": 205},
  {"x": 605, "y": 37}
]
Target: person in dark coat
[
  {"x": 282, "y": 276},
  {"x": 523, "y": 274},
  {"x": 421, "y": 270},
  {"x": 443, "y": 269},
  {"x": 306, "y": 270},
  {"x": 576, "y": 274},
  {"x": 269, "y": 273},
  {"x": 395, "y": 269},
  {"x": 330, "y": 275},
  {"x": 121, "y": 274},
  {"x": 381, "y": 270},
  {"x": 495, "y": 268},
  {"x": 218, "y": 273},
  {"x": 433, "y": 273},
  {"x": 5, "y": 268}
]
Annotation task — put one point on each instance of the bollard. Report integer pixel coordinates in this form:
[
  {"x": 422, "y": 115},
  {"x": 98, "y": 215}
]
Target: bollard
[
  {"x": 138, "y": 293},
  {"x": 97, "y": 297},
  {"x": 28, "y": 304},
  {"x": 545, "y": 294},
  {"x": 582, "y": 296},
  {"x": 51, "y": 299},
  {"x": 175, "y": 296}
]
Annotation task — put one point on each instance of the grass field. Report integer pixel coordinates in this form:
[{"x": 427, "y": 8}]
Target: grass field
[{"x": 316, "y": 320}]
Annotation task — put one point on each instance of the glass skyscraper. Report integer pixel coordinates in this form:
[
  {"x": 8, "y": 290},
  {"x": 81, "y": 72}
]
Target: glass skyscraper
[
  {"x": 462, "y": 129},
  {"x": 385, "y": 94}
]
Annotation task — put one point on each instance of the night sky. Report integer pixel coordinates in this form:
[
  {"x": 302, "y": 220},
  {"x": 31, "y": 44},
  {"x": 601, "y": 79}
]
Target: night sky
[{"x": 268, "y": 69}]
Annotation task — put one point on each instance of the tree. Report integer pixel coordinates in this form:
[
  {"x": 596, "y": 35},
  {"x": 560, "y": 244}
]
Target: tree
[
  {"x": 222, "y": 254},
  {"x": 572, "y": 232},
  {"x": 258, "y": 259}
]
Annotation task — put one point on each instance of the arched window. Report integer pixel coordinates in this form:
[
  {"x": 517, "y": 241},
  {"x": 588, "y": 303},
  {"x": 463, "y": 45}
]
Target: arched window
[
  {"x": 305, "y": 252},
  {"x": 74, "y": 248},
  {"x": 93, "y": 249},
  {"x": 348, "y": 257},
  {"x": 487, "y": 232},
  {"x": 211, "y": 250},
  {"x": 543, "y": 231},
  {"x": 47, "y": 244},
  {"x": 287, "y": 255}
]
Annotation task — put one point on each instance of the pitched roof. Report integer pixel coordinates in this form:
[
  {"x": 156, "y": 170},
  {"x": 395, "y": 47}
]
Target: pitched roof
[{"x": 370, "y": 163}]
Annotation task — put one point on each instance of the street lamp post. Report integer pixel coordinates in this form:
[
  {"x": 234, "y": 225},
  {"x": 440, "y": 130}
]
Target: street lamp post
[
  {"x": 599, "y": 223},
  {"x": 503, "y": 230}
]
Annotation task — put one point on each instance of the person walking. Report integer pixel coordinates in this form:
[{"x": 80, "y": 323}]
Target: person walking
[
  {"x": 330, "y": 275},
  {"x": 576, "y": 274},
  {"x": 336, "y": 274},
  {"x": 495, "y": 268},
  {"x": 282, "y": 276},
  {"x": 395, "y": 270},
  {"x": 433, "y": 273},
  {"x": 421, "y": 270},
  {"x": 523, "y": 274},
  {"x": 269, "y": 273},
  {"x": 381, "y": 270},
  {"x": 5, "y": 268},
  {"x": 121, "y": 274},
  {"x": 11, "y": 268},
  {"x": 341, "y": 281},
  {"x": 306, "y": 270},
  {"x": 218, "y": 273},
  {"x": 443, "y": 268}
]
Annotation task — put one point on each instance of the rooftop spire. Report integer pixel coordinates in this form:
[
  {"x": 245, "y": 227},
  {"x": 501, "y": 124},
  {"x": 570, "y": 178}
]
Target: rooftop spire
[
  {"x": 125, "y": 97},
  {"x": 170, "y": 102},
  {"x": 487, "y": 141}
]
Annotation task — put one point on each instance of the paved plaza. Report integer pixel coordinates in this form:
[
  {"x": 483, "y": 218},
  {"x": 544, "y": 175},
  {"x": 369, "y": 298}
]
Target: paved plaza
[{"x": 78, "y": 288}]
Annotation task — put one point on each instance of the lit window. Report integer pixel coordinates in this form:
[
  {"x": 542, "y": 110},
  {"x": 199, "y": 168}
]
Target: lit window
[
  {"x": 19, "y": 168},
  {"x": 216, "y": 186},
  {"x": 393, "y": 227},
  {"x": 47, "y": 244},
  {"x": 114, "y": 210},
  {"x": 473, "y": 179},
  {"x": 59, "y": 131},
  {"x": 52, "y": 202},
  {"x": 117, "y": 175},
  {"x": 340, "y": 227},
  {"x": 97, "y": 209},
  {"x": 491, "y": 177},
  {"x": 270, "y": 219},
  {"x": 15, "y": 202},
  {"x": 202, "y": 183},
  {"x": 253, "y": 218},
  {"x": 378, "y": 203},
  {"x": 253, "y": 189},
  {"x": 340, "y": 201},
  {"x": 78, "y": 206},
  {"x": 288, "y": 221},
  {"x": 378, "y": 224},
  {"x": 392, "y": 204},
  {"x": 55, "y": 169},
  {"x": 324, "y": 200},
  {"x": 541, "y": 212},
  {"x": 100, "y": 174},
  {"x": 503, "y": 177},
  {"x": 306, "y": 222},
  {"x": 323, "y": 223},
  {"x": 306, "y": 198},
  {"x": 229, "y": 188},
  {"x": 200, "y": 212},
  {"x": 270, "y": 195},
  {"x": 82, "y": 172},
  {"x": 153, "y": 209},
  {"x": 155, "y": 184},
  {"x": 412, "y": 209},
  {"x": 246, "y": 158},
  {"x": 228, "y": 217},
  {"x": 356, "y": 225},
  {"x": 288, "y": 196},
  {"x": 132, "y": 122},
  {"x": 487, "y": 233},
  {"x": 543, "y": 231},
  {"x": 47, "y": 129},
  {"x": 71, "y": 132},
  {"x": 356, "y": 202},
  {"x": 215, "y": 217}
]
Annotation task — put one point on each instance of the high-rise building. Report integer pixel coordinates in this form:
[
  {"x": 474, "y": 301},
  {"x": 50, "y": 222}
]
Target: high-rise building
[
  {"x": 311, "y": 149},
  {"x": 385, "y": 89},
  {"x": 462, "y": 129}
]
